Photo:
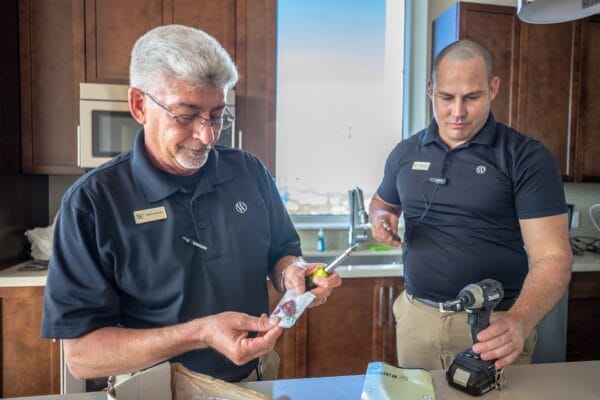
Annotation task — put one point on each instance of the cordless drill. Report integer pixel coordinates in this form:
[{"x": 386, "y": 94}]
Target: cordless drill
[{"x": 468, "y": 372}]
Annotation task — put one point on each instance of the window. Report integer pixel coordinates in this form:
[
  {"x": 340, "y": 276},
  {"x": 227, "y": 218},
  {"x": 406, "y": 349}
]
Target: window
[{"x": 339, "y": 99}]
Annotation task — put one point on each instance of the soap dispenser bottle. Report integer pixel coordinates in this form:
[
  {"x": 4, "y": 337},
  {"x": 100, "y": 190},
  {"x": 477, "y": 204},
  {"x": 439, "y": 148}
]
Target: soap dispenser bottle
[{"x": 321, "y": 240}]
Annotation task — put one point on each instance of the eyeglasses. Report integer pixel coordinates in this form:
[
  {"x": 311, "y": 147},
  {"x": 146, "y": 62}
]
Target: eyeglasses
[{"x": 216, "y": 124}]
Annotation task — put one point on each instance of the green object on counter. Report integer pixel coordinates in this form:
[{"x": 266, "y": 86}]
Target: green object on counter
[{"x": 379, "y": 247}]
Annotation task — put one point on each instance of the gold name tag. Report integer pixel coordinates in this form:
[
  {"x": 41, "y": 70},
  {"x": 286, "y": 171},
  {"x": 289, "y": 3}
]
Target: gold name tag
[
  {"x": 150, "y": 215},
  {"x": 421, "y": 166}
]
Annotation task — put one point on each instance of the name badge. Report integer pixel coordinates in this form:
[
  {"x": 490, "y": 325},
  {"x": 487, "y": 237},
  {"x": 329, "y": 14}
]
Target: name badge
[
  {"x": 421, "y": 165},
  {"x": 150, "y": 215}
]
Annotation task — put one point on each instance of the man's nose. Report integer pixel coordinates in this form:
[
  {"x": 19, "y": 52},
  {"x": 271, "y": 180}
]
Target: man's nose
[
  {"x": 203, "y": 131},
  {"x": 458, "y": 108}
]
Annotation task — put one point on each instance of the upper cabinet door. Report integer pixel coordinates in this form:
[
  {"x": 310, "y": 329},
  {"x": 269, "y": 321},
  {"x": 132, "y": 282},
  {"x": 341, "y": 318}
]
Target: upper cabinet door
[
  {"x": 111, "y": 29},
  {"x": 113, "y": 26},
  {"x": 216, "y": 17},
  {"x": 547, "y": 86},
  {"x": 51, "y": 65},
  {"x": 588, "y": 122}
]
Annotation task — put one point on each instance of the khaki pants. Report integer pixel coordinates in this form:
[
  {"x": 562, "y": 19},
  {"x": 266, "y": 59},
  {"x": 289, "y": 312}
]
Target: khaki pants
[
  {"x": 268, "y": 365},
  {"x": 427, "y": 338}
]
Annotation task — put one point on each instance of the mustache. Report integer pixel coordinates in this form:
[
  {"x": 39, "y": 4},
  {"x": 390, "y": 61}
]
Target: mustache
[{"x": 195, "y": 147}]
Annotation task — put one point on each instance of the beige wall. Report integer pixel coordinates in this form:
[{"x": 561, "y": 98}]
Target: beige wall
[{"x": 57, "y": 186}]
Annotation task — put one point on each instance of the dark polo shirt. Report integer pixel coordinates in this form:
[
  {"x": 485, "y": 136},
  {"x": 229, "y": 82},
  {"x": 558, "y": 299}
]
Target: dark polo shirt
[
  {"x": 465, "y": 227},
  {"x": 110, "y": 268}
]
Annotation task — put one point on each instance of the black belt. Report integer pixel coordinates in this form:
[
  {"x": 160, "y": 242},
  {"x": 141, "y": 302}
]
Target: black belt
[{"x": 504, "y": 305}]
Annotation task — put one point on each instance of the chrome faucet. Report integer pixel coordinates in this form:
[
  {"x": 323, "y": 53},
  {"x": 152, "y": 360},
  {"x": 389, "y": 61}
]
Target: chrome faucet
[{"x": 356, "y": 204}]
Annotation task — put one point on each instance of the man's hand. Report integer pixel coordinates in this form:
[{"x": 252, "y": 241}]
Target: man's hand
[
  {"x": 380, "y": 233},
  {"x": 228, "y": 333},
  {"x": 379, "y": 211},
  {"x": 324, "y": 285},
  {"x": 295, "y": 274},
  {"x": 502, "y": 340}
]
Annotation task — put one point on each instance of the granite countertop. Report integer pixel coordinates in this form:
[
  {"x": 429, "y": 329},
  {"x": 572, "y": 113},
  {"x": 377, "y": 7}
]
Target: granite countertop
[
  {"x": 588, "y": 262},
  {"x": 15, "y": 276}
]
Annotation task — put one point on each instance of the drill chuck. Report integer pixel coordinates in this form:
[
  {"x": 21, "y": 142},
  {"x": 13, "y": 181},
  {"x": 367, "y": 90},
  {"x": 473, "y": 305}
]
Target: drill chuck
[
  {"x": 471, "y": 296},
  {"x": 484, "y": 296}
]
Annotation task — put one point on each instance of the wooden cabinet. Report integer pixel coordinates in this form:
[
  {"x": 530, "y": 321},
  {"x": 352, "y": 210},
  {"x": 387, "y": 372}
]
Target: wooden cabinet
[
  {"x": 583, "y": 329},
  {"x": 30, "y": 364},
  {"x": 548, "y": 78},
  {"x": 52, "y": 65},
  {"x": 587, "y": 167},
  {"x": 356, "y": 326},
  {"x": 110, "y": 33},
  {"x": 66, "y": 42},
  {"x": 256, "y": 39}
]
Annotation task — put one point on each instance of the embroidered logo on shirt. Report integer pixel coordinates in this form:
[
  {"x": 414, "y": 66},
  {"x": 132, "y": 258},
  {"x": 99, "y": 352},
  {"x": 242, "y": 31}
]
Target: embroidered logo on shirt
[
  {"x": 421, "y": 166},
  {"x": 480, "y": 169},
  {"x": 149, "y": 215},
  {"x": 241, "y": 207}
]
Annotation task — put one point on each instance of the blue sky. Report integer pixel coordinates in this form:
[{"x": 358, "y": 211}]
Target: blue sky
[
  {"x": 335, "y": 91},
  {"x": 350, "y": 28}
]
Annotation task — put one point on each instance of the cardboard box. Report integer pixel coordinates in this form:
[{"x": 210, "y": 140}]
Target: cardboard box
[{"x": 174, "y": 381}]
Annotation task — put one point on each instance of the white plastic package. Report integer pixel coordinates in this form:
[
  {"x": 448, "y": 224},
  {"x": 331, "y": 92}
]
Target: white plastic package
[
  {"x": 41, "y": 241},
  {"x": 291, "y": 306}
]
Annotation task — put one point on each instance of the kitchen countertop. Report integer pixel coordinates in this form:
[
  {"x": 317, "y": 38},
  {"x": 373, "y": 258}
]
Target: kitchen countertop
[
  {"x": 588, "y": 262},
  {"x": 14, "y": 277},
  {"x": 574, "y": 380}
]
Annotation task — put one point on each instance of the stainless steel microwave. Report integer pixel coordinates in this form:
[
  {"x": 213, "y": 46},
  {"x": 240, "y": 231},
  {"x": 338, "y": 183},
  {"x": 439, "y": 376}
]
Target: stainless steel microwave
[{"x": 107, "y": 128}]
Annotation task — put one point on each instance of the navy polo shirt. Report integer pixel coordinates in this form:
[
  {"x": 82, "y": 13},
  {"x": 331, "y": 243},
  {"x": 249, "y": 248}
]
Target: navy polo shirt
[
  {"x": 109, "y": 268},
  {"x": 465, "y": 228}
]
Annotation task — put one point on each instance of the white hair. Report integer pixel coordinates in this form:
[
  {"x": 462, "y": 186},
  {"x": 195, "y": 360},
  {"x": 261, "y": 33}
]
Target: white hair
[{"x": 183, "y": 53}]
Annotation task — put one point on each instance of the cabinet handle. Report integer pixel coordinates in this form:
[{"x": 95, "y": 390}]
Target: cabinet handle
[
  {"x": 78, "y": 146},
  {"x": 240, "y": 135},
  {"x": 391, "y": 298},
  {"x": 381, "y": 302}
]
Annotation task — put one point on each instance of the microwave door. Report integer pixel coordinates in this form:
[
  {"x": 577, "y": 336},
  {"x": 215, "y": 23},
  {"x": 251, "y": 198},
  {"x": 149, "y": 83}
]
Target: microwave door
[{"x": 106, "y": 129}]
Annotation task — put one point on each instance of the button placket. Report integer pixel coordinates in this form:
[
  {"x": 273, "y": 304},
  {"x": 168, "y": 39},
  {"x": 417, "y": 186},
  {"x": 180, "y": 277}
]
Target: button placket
[{"x": 199, "y": 229}]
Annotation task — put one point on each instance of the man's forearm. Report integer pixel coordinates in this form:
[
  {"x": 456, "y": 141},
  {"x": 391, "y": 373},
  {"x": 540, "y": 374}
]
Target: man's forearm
[
  {"x": 550, "y": 262},
  {"x": 113, "y": 351},
  {"x": 542, "y": 290}
]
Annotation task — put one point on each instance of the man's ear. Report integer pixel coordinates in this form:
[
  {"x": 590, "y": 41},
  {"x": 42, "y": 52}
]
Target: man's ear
[
  {"x": 430, "y": 89},
  {"x": 137, "y": 105},
  {"x": 494, "y": 86}
]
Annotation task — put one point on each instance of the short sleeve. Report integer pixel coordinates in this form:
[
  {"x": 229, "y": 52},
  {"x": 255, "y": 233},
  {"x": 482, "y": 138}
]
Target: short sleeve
[
  {"x": 80, "y": 293},
  {"x": 387, "y": 189},
  {"x": 538, "y": 188}
]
